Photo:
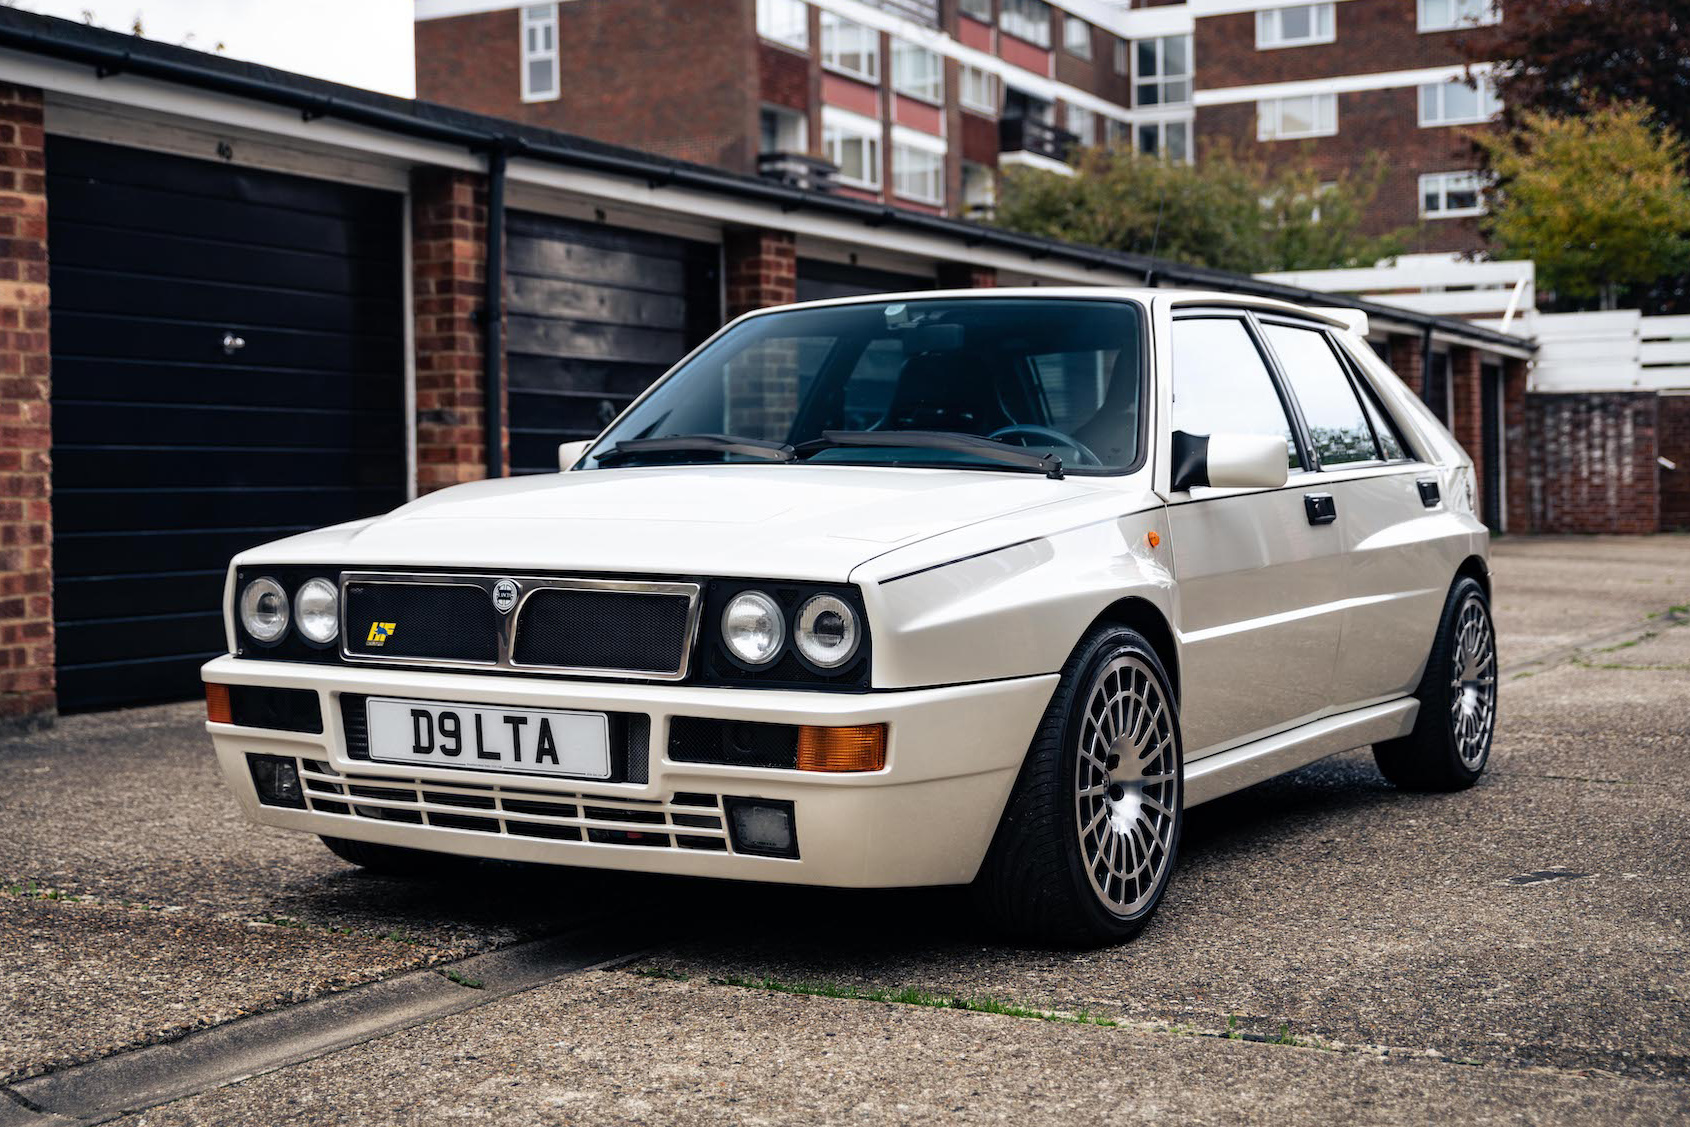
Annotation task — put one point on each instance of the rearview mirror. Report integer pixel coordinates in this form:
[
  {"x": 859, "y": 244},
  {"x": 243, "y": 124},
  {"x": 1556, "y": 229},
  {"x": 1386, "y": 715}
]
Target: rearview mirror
[
  {"x": 1228, "y": 461},
  {"x": 568, "y": 453}
]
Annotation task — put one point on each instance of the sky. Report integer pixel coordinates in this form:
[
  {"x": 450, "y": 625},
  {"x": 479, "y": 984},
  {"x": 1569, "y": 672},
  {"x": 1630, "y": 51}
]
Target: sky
[{"x": 359, "y": 42}]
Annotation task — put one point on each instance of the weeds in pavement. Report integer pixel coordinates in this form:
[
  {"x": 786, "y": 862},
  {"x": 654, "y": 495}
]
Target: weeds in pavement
[
  {"x": 1626, "y": 645},
  {"x": 463, "y": 979},
  {"x": 656, "y": 972},
  {"x": 910, "y": 996}
]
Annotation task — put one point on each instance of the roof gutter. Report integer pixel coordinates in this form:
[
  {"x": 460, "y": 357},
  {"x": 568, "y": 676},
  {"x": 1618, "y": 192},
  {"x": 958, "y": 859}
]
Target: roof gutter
[{"x": 658, "y": 172}]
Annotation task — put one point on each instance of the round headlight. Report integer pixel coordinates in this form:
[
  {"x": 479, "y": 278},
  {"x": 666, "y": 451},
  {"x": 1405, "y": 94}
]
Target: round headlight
[
  {"x": 316, "y": 610},
  {"x": 264, "y": 609},
  {"x": 827, "y": 633},
  {"x": 753, "y": 627}
]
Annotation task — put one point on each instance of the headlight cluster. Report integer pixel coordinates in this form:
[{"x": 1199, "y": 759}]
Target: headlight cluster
[
  {"x": 266, "y": 612},
  {"x": 825, "y": 629}
]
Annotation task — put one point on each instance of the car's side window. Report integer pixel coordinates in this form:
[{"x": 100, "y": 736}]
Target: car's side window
[
  {"x": 1221, "y": 383},
  {"x": 1338, "y": 427},
  {"x": 1391, "y": 443}
]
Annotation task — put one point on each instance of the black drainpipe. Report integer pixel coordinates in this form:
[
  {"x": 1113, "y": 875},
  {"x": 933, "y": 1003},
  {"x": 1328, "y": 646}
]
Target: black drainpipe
[
  {"x": 1426, "y": 368},
  {"x": 494, "y": 311}
]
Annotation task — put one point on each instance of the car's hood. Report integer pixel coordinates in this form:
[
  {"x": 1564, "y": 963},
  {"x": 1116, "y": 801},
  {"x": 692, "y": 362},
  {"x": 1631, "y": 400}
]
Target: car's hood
[{"x": 780, "y": 521}]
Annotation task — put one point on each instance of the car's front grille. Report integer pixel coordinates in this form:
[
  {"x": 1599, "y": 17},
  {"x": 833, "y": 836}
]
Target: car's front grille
[
  {"x": 562, "y": 624},
  {"x": 686, "y": 821}
]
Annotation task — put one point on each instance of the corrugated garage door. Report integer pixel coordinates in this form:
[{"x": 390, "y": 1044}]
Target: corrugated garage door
[
  {"x": 818, "y": 280},
  {"x": 595, "y": 315},
  {"x": 174, "y": 448}
]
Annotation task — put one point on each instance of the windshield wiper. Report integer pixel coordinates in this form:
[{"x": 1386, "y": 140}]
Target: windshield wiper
[
  {"x": 1019, "y": 457},
  {"x": 631, "y": 448}
]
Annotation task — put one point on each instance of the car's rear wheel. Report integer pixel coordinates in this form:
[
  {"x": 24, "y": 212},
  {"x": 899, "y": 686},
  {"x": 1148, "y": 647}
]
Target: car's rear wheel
[
  {"x": 394, "y": 860},
  {"x": 1450, "y": 743},
  {"x": 1091, "y": 832}
]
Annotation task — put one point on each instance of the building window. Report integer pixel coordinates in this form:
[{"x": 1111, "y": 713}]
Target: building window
[
  {"x": 979, "y": 90},
  {"x": 1447, "y": 15},
  {"x": 1294, "y": 26},
  {"x": 850, "y": 48},
  {"x": 1170, "y": 140},
  {"x": 1162, "y": 71},
  {"x": 786, "y": 22},
  {"x": 1449, "y": 195},
  {"x": 1082, "y": 123},
  {"x": 1116, "y": 132},
  {"x": 1311, "y": 115},
  {"x": 783, "y": 131},
  {"x": 1121, "y": 56},
  {"x": 979, "y": 190},
  {"x": 917, "y": 72},
  {"x": 976, "y": 9},
  {"x": 1076, "y": 36},
  {"x": 1456, "y": 103},
  {"x": 918, "y": 174},
  {"x": 539, "y": 53},
  {"x": 853, "y": 143},
  {"x": 1026, "y": 19}
]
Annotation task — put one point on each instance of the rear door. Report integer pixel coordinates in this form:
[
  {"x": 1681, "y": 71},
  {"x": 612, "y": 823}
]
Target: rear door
[{"x": 1260, "y": 592}]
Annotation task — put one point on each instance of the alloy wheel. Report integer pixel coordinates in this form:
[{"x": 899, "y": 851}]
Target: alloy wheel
[{"x": 1472, "y": 708}]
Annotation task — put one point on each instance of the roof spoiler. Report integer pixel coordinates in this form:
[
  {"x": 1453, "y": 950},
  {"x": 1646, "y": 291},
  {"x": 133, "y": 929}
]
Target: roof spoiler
[{"x": 1354, "y": 320}]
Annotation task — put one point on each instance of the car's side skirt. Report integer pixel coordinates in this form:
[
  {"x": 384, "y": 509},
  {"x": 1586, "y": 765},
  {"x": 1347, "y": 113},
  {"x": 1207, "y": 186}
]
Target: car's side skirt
[{"x": 1217, "y": 775}]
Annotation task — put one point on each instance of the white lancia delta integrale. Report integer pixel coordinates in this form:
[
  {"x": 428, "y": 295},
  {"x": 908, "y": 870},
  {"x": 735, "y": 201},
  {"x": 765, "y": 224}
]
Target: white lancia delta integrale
[{"x": 980, "y": 588}]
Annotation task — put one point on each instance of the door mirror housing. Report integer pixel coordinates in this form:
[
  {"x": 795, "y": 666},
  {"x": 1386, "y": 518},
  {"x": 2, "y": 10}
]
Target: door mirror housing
[
  {"x": 568, "y": 453},
  {"x": 1228, "y": 461}
]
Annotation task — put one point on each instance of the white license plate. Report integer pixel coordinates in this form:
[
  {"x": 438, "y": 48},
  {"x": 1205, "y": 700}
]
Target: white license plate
[{"x": 526, "y": 740}]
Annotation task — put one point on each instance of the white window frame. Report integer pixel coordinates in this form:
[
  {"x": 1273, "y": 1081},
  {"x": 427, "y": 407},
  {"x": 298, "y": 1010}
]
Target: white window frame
[
  {"x": 1117, "y": 131},
  {"x": 990, "y": 82},
  {"x": 1270, "y": 26},
  {"x": 798, "y": 136},
  {"x": 1077, "y": 46},
  {"x": 1441, "y": 182},
  {"x": 540, "y": 18},
  {"x": 786, "y": 22},
  {"x": 1270, "y": 112},
  {"x": 867, "y": 47},
  {"x": 908, "y": 143},
  {"x": 984, "y": 17},
  {"x": 841, "y": 126},
  {"x": 931, "y": 86},
  {"x": 1081, "y": 122},
  {"x": 1491, "y": 14},
  {"x": 1162, "y": 126},
  {"x": 1123, "y": 56},
  {"x": 1488, "y": 103},
  {"x": 1162, "y": 78},
  {"x": 1016, "y": 17}
]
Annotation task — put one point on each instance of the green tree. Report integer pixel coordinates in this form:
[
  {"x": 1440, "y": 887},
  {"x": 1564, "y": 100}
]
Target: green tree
[
  {"x": 1600, "y": 202},
  {"x": 1230, "y": 214}
]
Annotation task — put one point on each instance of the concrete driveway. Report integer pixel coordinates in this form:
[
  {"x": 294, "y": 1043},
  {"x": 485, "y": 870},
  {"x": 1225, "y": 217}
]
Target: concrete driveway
[{"x": 1331, "y": 950}]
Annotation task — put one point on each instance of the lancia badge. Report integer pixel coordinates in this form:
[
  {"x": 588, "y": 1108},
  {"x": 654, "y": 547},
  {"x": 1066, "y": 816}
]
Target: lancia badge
[{"x": 504, "y": 595}]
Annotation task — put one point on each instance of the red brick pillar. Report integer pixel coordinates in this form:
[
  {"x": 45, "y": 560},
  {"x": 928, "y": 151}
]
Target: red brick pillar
[
  {"x": 1405, "y": 361},
  {"x": 27, "y": 697},
  {"x": 1467, "y": 423},
  {"x": 448, "y": 263},
  {"x": 1517, "y": 449},
  {"x": 966, "y": 276},
  {"x": 761, "y": 268}
]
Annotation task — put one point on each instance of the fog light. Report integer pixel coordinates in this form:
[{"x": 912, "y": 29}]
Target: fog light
[
  {"x": 217, "y": 707},
  {"x": 762, "y": 827},
  {"x": 858, "y": 748},
  {"x": 276, "y": 779}
]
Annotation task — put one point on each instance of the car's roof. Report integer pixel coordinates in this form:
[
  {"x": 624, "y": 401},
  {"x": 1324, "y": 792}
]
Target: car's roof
[{"x": 1339, "y": 318}]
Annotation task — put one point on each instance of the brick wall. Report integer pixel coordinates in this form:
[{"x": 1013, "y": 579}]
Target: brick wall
[
  {"x": 1405, "y": 361},
  {"x": 1516, "y": 483},
  {"x": 676, "y": 79},
  {"x": 1467, "y": 422},
  {"x": 26, "y": 521},
  {"x": 1593, "y": 464},
  {"x": 966, "y": 276},
  {"x": 761, "y": 268},
  {"x": 1675, "y": 447},
  {"x": 449, "y": 226},
  {"x": 1372, "y": 35}
]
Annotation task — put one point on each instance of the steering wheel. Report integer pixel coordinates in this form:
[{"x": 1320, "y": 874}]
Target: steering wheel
[{"x": 1051, "y": 437}]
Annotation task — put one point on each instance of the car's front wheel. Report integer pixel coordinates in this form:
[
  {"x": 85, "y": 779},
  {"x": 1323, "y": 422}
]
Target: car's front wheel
[{"x": 1092, "y": 828}]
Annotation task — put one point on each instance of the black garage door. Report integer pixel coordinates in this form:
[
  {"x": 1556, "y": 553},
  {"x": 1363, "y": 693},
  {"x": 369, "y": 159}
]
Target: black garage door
[
  {"x": 595, "y": 315},
  {"x": 818, "y": 280},
  {"x": 228, "y": 368}
]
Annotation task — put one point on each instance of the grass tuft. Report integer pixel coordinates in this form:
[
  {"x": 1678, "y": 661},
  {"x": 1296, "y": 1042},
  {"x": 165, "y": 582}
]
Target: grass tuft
[
  {"x": 910, "y": 996},
  {"x": 463, "y": 979}
]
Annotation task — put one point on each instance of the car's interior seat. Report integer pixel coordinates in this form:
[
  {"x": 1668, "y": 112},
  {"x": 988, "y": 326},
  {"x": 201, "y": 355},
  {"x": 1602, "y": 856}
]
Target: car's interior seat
[
  {"x": 1112, "y": 432},
  {"x": 952, "y": 390}
]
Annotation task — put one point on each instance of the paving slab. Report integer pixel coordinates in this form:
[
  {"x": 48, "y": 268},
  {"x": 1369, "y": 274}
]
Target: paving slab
[{"x": 612, "y": 1048}]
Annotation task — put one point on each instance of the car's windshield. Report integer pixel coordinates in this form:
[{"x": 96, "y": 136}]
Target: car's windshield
[{"x": 1056, "y": 376}]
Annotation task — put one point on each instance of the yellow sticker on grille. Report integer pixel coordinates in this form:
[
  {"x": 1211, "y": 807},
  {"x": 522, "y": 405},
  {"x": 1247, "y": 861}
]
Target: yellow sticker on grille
[{"x": 379, "y": 632}]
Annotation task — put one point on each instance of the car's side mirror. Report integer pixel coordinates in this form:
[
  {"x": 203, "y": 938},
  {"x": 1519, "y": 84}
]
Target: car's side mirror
[
  {"x": 568, "y": 453},
  {"x": 1228, "y": 461}
]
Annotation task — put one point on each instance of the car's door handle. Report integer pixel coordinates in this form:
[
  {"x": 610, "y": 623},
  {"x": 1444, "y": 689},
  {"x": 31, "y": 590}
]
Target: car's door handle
[{"x": 1322, "y": 509}]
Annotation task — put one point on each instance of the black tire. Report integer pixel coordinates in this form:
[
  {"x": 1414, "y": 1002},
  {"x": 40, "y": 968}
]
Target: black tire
[
  {"x": 395, "y": 860},
  {"x": 1449, "y": 746},
  {"x": 1034, "y": 883}
]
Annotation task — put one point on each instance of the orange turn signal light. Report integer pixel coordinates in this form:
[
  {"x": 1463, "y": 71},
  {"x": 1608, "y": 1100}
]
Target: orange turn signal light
[
  {"x": 217, "y": 708},
  {"x": 1153, "y": 538},
  {"x": 858, "y": 748}
]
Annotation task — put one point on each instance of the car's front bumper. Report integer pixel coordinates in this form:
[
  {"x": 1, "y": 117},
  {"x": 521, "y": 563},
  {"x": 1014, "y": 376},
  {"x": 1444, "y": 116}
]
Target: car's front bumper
[{"x": 925, "y": 819}]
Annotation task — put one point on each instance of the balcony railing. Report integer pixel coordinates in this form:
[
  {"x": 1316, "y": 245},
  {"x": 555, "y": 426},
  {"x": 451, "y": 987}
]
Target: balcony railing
[
  {"x": 800, "y": 170},
  {"x": 1030, "y": 135}
]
